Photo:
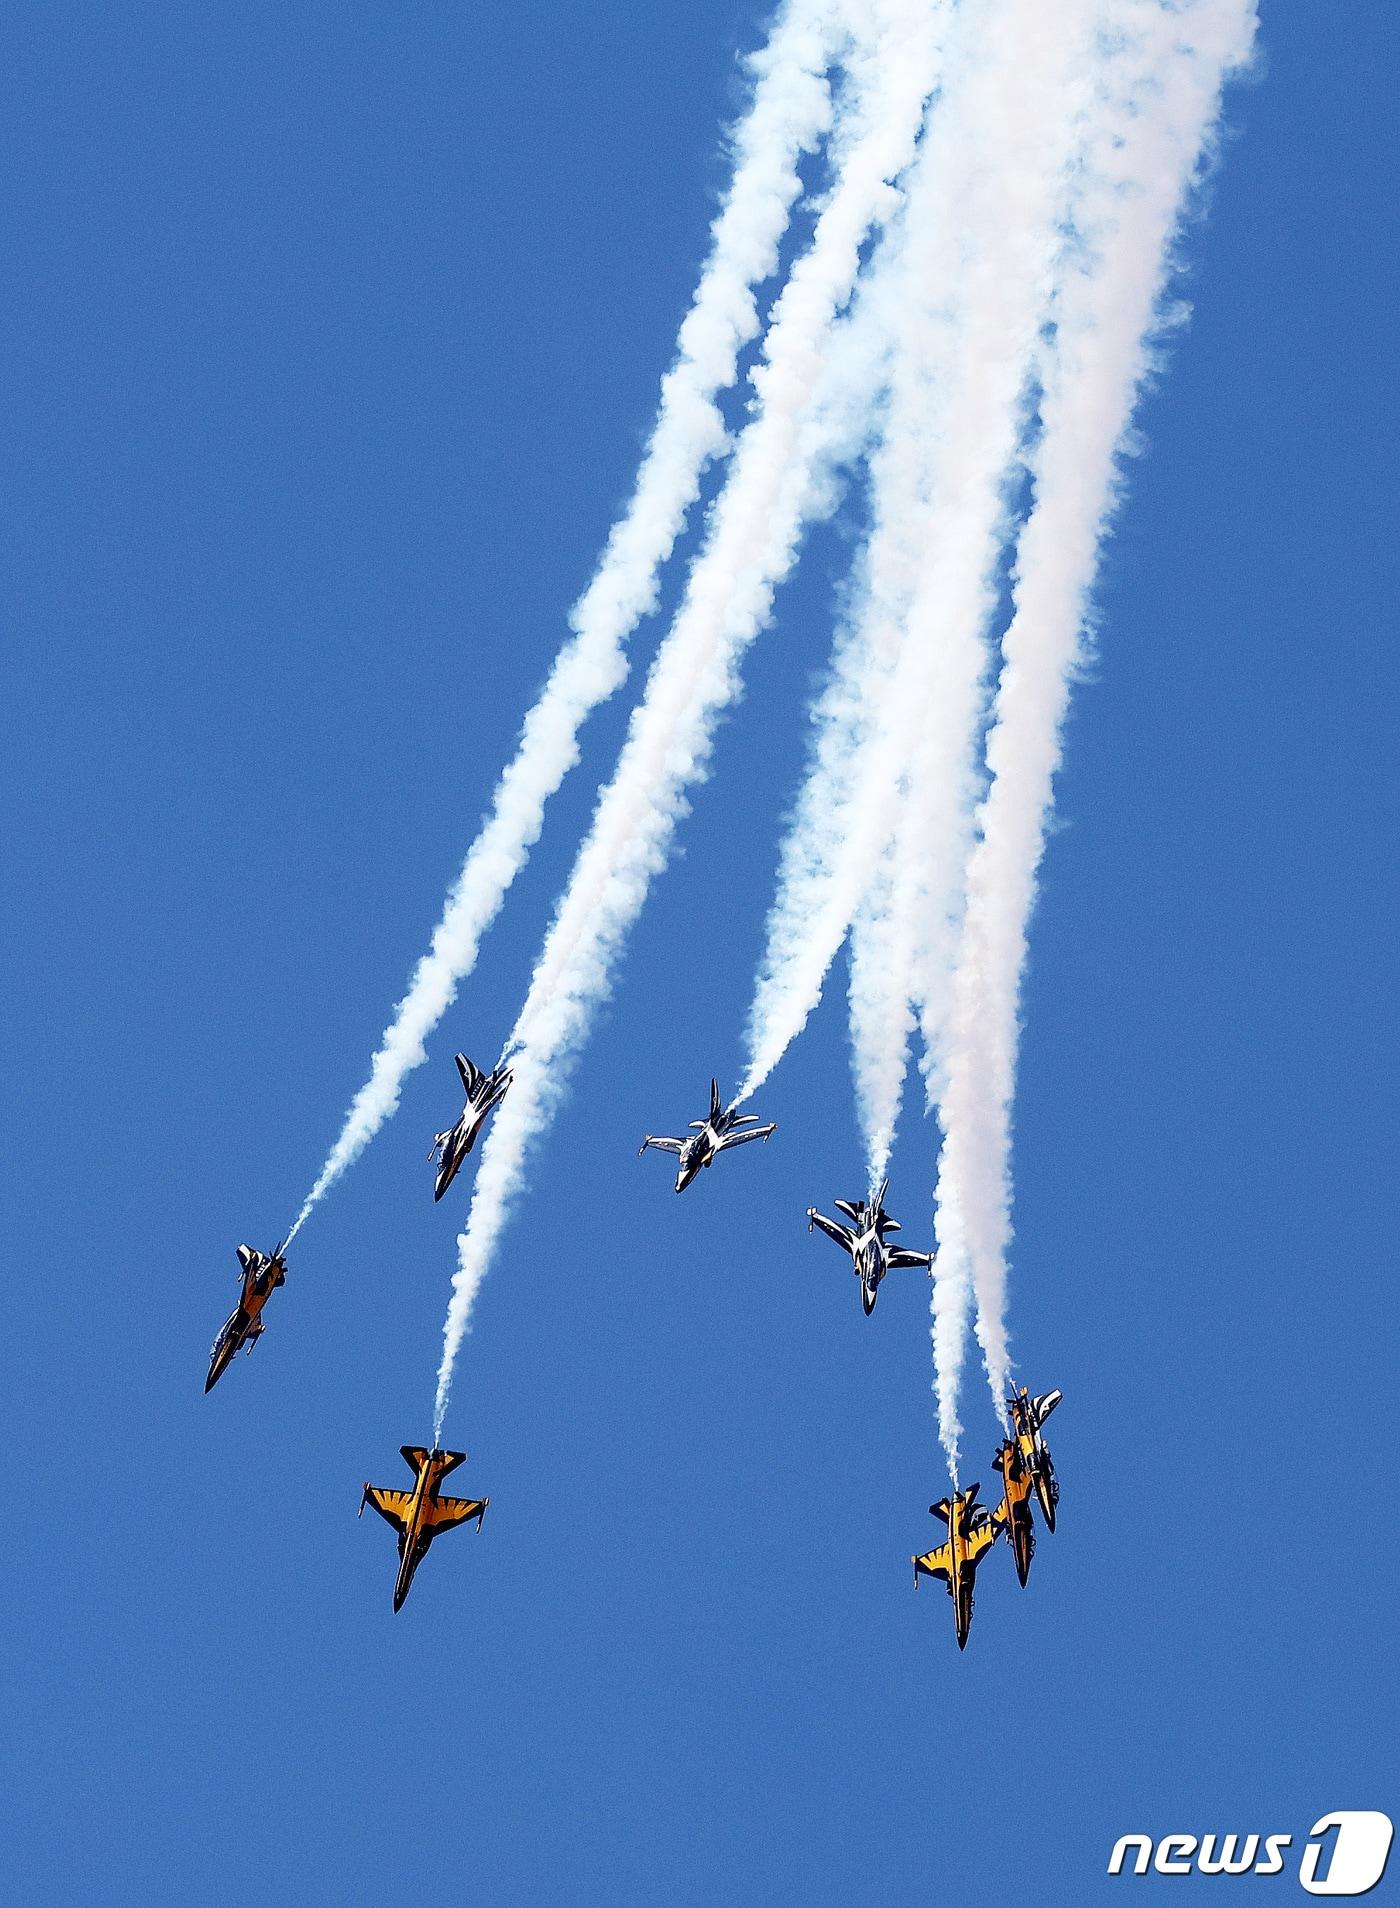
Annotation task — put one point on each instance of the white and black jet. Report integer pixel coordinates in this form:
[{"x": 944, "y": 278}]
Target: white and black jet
[
  {"x": 484, "y": 1091},
  {"x": 1028, "y": 1417},
  {"x": 863, "y": 1237},
  {"x": 710, "y": 1137}
]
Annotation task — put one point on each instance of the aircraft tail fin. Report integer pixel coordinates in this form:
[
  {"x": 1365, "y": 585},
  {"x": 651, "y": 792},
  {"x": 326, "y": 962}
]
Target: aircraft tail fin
[
  {"x": 943, "y": 1508},
  {"x": 471, "y": 1074},
  {"x": 715, "y": 1108},
  {"x": 415, "y": 1456}
]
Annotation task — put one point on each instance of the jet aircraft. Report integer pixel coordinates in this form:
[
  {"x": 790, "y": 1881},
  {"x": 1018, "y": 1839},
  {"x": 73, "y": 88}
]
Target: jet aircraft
[
  {"x": 484, "y": 1091},
  {"x": 972, "y": 1530},
  {"x": 1014, "y": 1511},
  {"x": 872, "y": 1256},
  {"x": 1028, "y": 1415},
  {"x": 262, "y": 1273},
  {"x": 709, "y": 1137},
  {"x": 420, "y": 1515}
]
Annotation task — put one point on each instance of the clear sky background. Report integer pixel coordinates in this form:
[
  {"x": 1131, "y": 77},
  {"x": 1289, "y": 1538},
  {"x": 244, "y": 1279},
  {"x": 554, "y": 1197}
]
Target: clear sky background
[{"x": 330, "y": 339}]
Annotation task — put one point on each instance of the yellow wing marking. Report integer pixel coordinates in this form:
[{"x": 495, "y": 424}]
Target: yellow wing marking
[
  {"x": 393, "y": 1506},
  {"x": 936, "y": 1563},
  {"x": 444, "y": 1513},
  {"x": 982, "y": 1538}
]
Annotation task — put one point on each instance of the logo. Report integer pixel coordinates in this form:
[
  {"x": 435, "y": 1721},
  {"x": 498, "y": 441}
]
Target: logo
[{"x": 1345, "y": 1853}]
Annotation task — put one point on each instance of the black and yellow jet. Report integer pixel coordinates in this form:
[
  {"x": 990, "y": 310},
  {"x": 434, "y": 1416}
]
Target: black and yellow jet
[
  {"x": 262, "y": 1273},
  {"x": 1014, "y": 1511},
  {"x": 420, "y": 1515},
  {"x": 1028, "y": 1415},
  {"x": 972, "y": 1530}
]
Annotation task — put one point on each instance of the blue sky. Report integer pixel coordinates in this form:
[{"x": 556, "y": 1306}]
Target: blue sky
[{"x": 330, "y": 343}]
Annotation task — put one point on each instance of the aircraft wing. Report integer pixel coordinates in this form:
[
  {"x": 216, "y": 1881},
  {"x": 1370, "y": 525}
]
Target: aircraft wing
[
  {"x": 662, "y": 1145},
  {"x": 981, "y": 1538},
  {"x": 830, "y": 1227},
  {"x": 392, "y": 1505},
  {"x": 726, "y": 1140},
  {"x": 445, "y": 1513},
  {"x": 900, "y": 1255},
  {"x": 935, "y": 1563}
]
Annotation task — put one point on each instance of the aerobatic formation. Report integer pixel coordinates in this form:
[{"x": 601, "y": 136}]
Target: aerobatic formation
[{"x": 951, "y": 347}]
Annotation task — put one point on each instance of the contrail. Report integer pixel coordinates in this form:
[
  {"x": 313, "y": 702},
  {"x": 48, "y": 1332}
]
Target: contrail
[
  {"x": 1155, "y": 109},
  {"x": 789, "y": 115},
  {"x": 892, "y": 781},
  {"x": 881, "y": 1017},
  {"x": 752, "y": 539}
]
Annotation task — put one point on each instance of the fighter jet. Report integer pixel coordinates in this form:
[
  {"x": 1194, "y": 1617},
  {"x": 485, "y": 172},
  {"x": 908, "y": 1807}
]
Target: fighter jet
[
  {"x": 709, "y": 1138},
  {"x": 1027, "y": 1417},
  {"x": 262, "y": 1273},
  {"x": 1014, "y": 1511},
  {"x": 972, "y": 1530},
  {"x": 484, "y": 1091},
  {"x": 420, "y": 1515},
  {"x": 864, "y": 1238}
]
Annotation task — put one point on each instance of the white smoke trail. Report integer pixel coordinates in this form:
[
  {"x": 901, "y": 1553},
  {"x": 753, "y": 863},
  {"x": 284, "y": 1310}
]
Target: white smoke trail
[
  {"x": 896, "y": 730},
  {"x": 753, "y": 534},
  {"x": 1156, "y": 105},
  {"x": 882, "y": 1019},
  {"x": 789, "y": 115}
]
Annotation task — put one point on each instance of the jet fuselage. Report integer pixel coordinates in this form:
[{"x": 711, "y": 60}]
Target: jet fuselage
[
  {"x": 412, "y": 1545},
  {"x": 698, "y": 1151},
  {"x": 262, "y": 1274},
  {"x": 1017, "y": 1484}
]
